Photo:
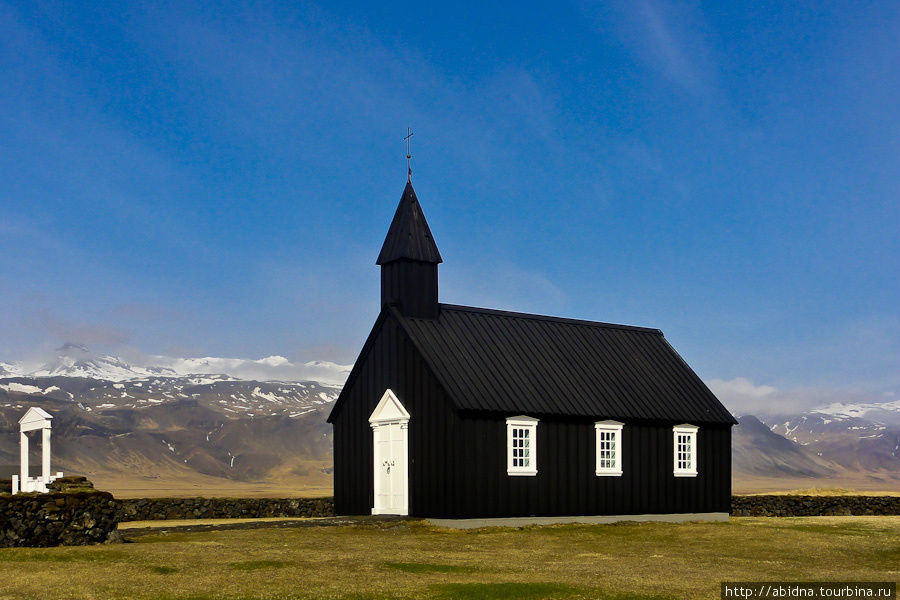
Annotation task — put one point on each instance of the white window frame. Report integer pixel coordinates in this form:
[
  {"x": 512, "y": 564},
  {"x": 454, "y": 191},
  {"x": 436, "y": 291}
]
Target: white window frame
[
  {"x": 679, "y": 470},
  {"x": 614, "y": 428},
  {"x": 529, "y": 424}
]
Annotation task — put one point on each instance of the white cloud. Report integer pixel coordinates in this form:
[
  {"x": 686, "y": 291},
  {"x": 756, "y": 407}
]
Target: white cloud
[
  {"x": 79, "y": 361},
  {"x": 742, "y": 396},
  {"x": 270, "y": 368},
  {"x": 740, "y": 386}
]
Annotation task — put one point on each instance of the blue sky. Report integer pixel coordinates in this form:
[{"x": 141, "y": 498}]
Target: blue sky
[{"x": 217, "y": 178}]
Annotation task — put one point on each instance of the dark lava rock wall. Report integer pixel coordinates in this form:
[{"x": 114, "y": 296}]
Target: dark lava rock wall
[
  {"x": 55, "y": 519},
  {"x": 811, "y": 506},
  {"x": 154, "y": 509}
]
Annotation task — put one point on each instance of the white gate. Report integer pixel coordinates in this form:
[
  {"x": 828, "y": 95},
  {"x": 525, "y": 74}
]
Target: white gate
[{"x": 390, "y": 435}]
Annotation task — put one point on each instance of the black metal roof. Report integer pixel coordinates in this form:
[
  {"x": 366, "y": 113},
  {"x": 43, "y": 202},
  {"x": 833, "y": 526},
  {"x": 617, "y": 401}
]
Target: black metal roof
[
  {"x": 409, "y": 235},
  {"x": 491, "y": 360}
]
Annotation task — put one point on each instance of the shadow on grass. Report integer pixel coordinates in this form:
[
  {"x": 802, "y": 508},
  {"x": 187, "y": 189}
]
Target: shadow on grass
[
  {"x": 497, "y": 591},
  {"x": 428, "y": 568},
  {"x": 528, "y": 591},
  {"x": 164, "y": 570},
  {"x": 254, "y": 565},
  {"x": 883, "y": 558},
  {"x": 60, "y": 555},
  {"x": 854, "y": 528}
]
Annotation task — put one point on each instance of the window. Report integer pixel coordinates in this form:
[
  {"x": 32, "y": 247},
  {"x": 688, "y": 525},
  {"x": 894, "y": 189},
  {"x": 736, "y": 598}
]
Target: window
[
  {"x": 609, "y": 447},
  {"x": 685, "y": 446},
  {"x": 521, "y": 446}
]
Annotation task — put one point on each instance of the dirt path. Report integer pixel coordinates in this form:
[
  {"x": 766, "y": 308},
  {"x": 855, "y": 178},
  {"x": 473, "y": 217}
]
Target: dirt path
[{"x": 132, "y": 529}]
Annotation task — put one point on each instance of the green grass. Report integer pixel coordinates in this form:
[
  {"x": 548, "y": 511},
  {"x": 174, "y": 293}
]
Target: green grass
[
  {"x": 428, "y": 568},
  {"x": 61, "y": 555},
  {"x": 504, "y": 591},
  {"x": 255, "y": 565},
  {"x": 528, "y": 591},
  {"x": 410, "y": 559},
  {"x": 164, "y": 570}
]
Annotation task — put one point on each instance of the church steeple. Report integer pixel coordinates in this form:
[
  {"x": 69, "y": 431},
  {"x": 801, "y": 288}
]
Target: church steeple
[{"x": 409, "y": 261}]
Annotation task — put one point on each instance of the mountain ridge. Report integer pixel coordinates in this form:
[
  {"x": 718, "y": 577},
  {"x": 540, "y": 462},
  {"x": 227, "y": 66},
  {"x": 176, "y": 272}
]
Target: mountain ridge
[
  {"x": 152, "y": 424},
  {"x": 76, "y": 360}
]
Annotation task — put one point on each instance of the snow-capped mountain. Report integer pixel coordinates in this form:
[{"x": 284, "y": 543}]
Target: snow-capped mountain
[
  {"x": 885, "y": 413},
  {"x": 859, "y": 437},
  {"x": 10, "y": 369},
  {"x": 74, "y": 360},
  {"x": 221, "y": 393},
  {"x": 863, "y": 419},
  {"x": 160, "y": 418},
  {"x": 235, "y": 387}
]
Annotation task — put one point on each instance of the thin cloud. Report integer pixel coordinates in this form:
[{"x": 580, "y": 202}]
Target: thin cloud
[
  {"x": 77, "y": 332},
  {"x": 670, "y": 38},
  {"x": 508, "y": 286}
]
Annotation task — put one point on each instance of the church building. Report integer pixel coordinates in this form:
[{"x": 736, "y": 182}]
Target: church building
[{"x": 461, "y": 412}]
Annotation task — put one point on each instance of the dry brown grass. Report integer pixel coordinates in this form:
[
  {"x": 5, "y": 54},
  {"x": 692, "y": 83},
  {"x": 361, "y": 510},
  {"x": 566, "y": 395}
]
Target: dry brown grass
[
  {"x": 861, "y": 484},
  {"x": 178, "y": 485},
  {"x": 415, "y": 560},
  {"x": 316, "y": 483},
  {"x": 827, "y": 491}
]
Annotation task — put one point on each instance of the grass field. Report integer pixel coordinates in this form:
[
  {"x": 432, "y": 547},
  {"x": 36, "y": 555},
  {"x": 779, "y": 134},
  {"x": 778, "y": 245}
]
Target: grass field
[{"x": 410, "y": 559}]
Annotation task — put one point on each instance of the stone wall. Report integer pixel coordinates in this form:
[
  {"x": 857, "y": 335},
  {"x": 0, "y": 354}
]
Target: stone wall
[
  {"x": 153, "y": 509},
  {"x": 71, "y": 519},
  {"x": 85, "y": 516},
  {"x": 808, "y": 506}
]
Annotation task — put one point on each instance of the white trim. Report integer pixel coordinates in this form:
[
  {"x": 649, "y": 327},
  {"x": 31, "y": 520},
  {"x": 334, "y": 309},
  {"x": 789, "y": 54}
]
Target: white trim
[
  {"x": 529, "y": 425},
  {"x": 35, "y": 418},
  {"x": 389, "y": 410},
  {"x": 690, "y": 431},
  {"x": 614, "y": 427},
  {"x": 389, "y": 413}
]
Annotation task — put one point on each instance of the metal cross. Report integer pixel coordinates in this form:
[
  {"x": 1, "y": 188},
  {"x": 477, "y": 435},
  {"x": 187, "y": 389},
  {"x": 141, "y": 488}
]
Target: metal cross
[{"x": 409, "y": 134}]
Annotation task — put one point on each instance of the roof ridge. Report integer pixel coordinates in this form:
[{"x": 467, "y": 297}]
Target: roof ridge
[{"x": 522, "y": 315}]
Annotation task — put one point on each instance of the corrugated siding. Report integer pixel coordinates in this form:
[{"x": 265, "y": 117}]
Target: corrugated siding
[
  {"x": 458, "y": 459},
  {"x": 390, "y": 361},
  {"x": 514, "y": 363},
  {"x": 411, "y": 286},
  {"x": 566, "y": 483}
]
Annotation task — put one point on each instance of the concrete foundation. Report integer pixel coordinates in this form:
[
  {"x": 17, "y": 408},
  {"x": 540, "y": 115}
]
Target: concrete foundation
[{"x": 588, "y": 519}]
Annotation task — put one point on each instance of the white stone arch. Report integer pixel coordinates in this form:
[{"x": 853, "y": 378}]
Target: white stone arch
[{"x": 34, "y": 419}]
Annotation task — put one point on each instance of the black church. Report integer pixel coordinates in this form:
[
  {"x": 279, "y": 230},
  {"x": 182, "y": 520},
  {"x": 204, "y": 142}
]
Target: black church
[{"x": 461, "y": 412}]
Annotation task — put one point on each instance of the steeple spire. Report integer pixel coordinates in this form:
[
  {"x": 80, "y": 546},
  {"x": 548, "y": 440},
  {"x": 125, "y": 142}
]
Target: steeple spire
[
  {"x": 409, "y": 235},
  {"x": 409, "y": 261}
]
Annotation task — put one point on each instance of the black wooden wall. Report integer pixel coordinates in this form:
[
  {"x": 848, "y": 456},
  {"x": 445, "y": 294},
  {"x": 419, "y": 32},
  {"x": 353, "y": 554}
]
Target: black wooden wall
[
  {"x": 458, "y": 460},
  {"x": 412, "y": 286},
  {"x": 566, "y": 482},
  {"x": 393, "y": 362}
]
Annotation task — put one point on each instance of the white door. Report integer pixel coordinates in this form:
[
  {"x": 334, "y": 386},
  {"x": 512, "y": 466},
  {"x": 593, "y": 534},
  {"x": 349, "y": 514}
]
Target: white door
[
  {"x": 390, "y": 469},
  {"x": 390, "y": 436}
]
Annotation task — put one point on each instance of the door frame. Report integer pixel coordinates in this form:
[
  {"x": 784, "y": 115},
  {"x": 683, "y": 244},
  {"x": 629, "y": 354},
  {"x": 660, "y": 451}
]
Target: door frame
[{"x": 390, "y": 411}]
